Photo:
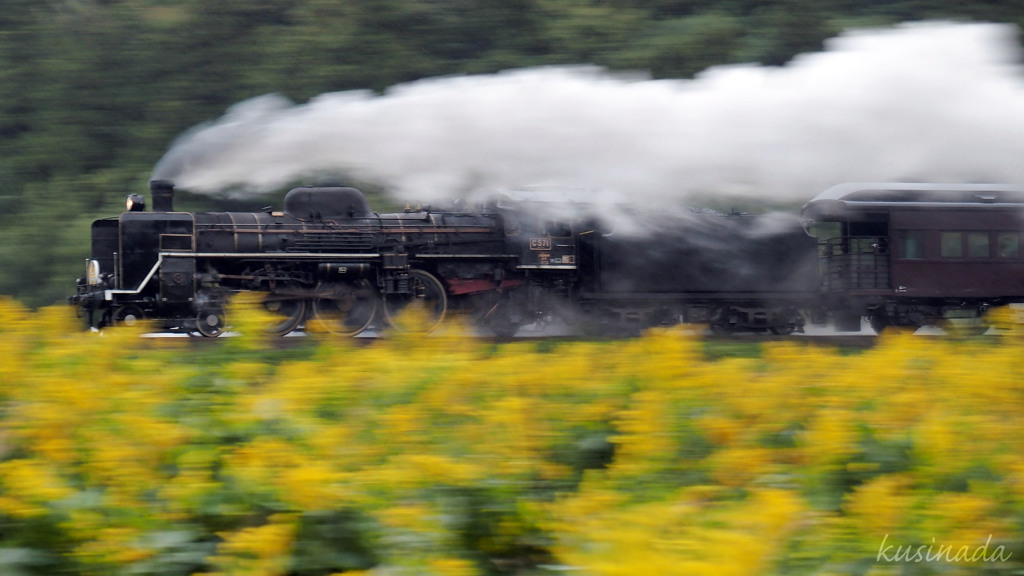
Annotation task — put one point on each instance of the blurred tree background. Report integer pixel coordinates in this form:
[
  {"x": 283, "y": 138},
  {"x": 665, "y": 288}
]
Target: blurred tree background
[{"x": 93, "y": 92}]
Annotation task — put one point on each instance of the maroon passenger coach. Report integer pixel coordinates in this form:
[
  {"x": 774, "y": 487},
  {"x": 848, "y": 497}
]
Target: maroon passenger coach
[{"x": 917, "y": 254}]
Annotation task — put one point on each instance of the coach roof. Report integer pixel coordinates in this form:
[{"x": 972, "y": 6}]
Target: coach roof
[
  {"x": 889, "y": 192},
  {"x": 883, "y": 195}
]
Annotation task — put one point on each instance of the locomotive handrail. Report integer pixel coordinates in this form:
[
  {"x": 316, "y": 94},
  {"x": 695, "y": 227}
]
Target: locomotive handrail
[
  {"x": 109, "y": 294},
  {"x": 271, "y": 255},
  {"x": 318, "y": 255},
  {"x": 447, "y": 256}
]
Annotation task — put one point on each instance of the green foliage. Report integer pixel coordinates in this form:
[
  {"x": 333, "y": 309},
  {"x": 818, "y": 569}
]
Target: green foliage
[{"x": 681, "y": 47}]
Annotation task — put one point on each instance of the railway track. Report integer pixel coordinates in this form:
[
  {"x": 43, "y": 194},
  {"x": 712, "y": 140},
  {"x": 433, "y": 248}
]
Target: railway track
[{"x": 299, "y": 338}]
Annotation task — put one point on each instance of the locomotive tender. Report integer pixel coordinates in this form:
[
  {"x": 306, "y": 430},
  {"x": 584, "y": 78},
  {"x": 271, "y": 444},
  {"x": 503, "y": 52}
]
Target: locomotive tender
[{"x": 899, "y": 254}]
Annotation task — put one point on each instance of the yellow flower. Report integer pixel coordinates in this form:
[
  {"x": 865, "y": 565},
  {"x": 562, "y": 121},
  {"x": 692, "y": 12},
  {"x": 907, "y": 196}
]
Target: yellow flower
[
  {"x": 29, "y": 486},
  {"x": 259, "y": 551},
  {"x": 116, "y": 546},
  {"x": 739, "y": 467},
  {"x": 452, "y": 567},
  {"x": 880, "y": 506},
  {"x": 830, "y": 439},
  {"x": 645, "y": 438},
  {"x": 312, "y": 486}
]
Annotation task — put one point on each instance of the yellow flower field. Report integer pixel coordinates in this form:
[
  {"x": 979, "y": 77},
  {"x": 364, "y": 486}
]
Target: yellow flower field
[{"x": 449, "y": 455}]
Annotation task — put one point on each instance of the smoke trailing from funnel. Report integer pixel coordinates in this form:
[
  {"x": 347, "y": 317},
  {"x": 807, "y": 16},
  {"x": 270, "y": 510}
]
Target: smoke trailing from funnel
[{"x": 924, "y": 101}]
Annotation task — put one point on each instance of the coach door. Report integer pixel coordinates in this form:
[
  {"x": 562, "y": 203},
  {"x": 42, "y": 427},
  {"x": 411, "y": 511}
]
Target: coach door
[{"x": 855, "y": 254}]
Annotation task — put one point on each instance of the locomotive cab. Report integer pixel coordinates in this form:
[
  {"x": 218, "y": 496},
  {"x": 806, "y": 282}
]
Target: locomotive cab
[
  {"x": 540, "y": 229},
  {"x": 144, "y": 237},
  {"x": 128, "y": 274},
  {"x": 543, "y": 245}
]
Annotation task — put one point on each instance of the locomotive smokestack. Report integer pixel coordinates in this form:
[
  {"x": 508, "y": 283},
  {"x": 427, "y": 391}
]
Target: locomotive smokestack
[{"x": 163, "y": 195}]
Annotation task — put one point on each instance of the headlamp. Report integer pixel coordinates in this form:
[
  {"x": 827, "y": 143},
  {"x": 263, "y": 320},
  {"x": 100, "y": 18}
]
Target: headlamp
[
  {"x": 135, "y": 203},
  {"x": 92, "y": 272}
]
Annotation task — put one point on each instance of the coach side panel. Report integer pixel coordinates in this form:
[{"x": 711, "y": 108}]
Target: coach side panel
[{"x": 967, "y": 253}]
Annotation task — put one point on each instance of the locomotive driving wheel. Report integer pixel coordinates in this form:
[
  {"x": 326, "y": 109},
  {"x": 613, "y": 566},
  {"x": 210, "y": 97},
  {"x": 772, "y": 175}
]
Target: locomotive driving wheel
[
  {"x": 210, "y": 321},
  {"x": 127, "y": 315},
  {"x": 344, "y": 308},
  {"x": 419, "y": 310},
  {"x": 285, "y": 304}
]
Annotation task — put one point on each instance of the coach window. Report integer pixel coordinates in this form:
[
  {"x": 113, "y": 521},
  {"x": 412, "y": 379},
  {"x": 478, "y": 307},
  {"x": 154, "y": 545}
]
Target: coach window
[
  {"x": 911, "y": 244},
  {"x": 977, "y": 245},
  {"x": 824, "y": 231},
  {"x": 1008, "y": 245},
  {"x": 952, "y": 244}
]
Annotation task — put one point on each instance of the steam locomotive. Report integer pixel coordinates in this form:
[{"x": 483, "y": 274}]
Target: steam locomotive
[{"x": 327, "y": 262}]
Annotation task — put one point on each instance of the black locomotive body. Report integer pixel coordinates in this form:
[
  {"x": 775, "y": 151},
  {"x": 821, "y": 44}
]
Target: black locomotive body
[
  {"x": 733, "y": 272},
  {"x": 325, "y": 256},
  {"x": 327, "y": 260}
]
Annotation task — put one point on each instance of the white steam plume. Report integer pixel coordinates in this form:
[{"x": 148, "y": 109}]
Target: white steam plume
[{"x": 924, "y": 101}]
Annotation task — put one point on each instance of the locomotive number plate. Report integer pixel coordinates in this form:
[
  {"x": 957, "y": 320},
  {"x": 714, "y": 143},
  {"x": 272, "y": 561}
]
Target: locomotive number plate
[{"x": 540, "y": 243}]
